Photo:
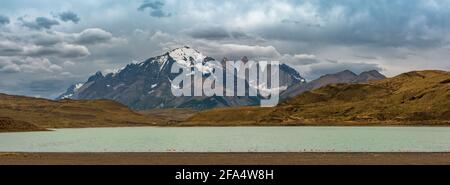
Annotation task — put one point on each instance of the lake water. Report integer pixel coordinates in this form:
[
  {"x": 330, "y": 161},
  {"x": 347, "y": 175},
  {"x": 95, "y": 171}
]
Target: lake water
[{"x": 232, "y": 139}]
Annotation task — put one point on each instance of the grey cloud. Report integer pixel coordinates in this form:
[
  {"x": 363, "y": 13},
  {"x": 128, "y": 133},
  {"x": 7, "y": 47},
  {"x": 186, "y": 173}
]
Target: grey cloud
[
  {"x": 45, "y": 86},
  {"x": 34, "y": 77},
  {"x": 288, "y": 21},
  {"x": 46, "y": 22},
  {"x": 159, "y": 13},
  {"x": 211, "y": 32},
  {"x": 28, "y": 65},
  {"x": 237, "y": 51},
  {"x": 4, "y": 20},
  {"x": 39, "y": 23},
  {"x": 332, "y": 61},
  {"x": 93, "y": 36},
  {"x": 6, "y": 66},
  {"x": 300, "y": 59},
  {"x": 10, "y": 68},
  {"x": 35, "y": 84},
  {"x": 155, "y": 8},
  {"x": 69, "y": 16},
  {"x": 376, "y": 23},
  {"x": 8, "y": 48},
  {"x": 366, "y": 57},
  {"x": 86, "y": 37},
  {"x": 46, "y": 39},
  {"x": 152, "y": 5},
  {"x": 239, "y": 35},
  {"x": 41, "y": 44},
  {"x": 60, "y": 50}
]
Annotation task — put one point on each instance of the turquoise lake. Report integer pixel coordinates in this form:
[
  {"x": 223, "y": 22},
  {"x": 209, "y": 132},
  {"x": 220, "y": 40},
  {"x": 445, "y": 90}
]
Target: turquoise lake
[{"x": 231, "y": 139}]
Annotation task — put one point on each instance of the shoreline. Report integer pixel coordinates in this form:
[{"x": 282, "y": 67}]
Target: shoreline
[
  {"x": 225, "y": 125},
  {"x": 18, "y": 158}
]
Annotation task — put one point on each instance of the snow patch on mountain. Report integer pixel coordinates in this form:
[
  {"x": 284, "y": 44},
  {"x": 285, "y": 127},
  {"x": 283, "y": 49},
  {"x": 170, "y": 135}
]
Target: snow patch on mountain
[
  {"x": 114, "y": 72},
  {"x": 185, "y": 55},
  {"x": 162, "y": 61},
  {"x": 137, "y": 84},
  {"x": 71, "y": 91},
  {"x": 78, "y": 86}
]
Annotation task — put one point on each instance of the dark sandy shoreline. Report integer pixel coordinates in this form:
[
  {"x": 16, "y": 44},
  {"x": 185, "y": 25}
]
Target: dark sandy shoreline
[{"x": 12, "y": 158}]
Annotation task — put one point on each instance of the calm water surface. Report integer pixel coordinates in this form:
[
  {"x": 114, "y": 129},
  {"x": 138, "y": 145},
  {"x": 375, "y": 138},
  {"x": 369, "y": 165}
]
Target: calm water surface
[{"x": 232, "y": 139}]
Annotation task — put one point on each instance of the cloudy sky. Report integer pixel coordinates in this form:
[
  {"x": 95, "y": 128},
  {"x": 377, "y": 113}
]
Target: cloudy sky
[{"x": 47, "y": 45}]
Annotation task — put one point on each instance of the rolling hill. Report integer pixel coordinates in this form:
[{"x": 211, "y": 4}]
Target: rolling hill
[
  {"x": 19, "y": 113},
  {"x": 413, "y": 98},
  {"x": 11, "y": 125}
]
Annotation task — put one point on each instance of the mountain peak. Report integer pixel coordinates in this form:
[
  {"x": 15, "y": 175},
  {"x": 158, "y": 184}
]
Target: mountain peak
[
  {"x": 346, "y": 72},
  {"x": 185, "y": 49},
  {"x": 97, "y": 76},
  {"x": 369, "y": 76},
  {"x": 373, "y": 72},
  {"x": 185, "y": 55}
]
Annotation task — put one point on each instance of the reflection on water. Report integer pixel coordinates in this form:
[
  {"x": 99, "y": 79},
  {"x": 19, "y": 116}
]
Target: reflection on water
[{"x": 232, "y": 139}]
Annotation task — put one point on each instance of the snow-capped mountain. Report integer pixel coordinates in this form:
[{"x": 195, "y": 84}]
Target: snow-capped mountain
[{"x": 147, "y": 84}]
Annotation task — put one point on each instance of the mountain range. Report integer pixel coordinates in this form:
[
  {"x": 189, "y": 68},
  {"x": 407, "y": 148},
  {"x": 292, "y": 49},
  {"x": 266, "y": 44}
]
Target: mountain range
[
  {"x": 413, "y": 98},
  {"x": 345, "y": 76},
  {"x": 147, "y": 85}
]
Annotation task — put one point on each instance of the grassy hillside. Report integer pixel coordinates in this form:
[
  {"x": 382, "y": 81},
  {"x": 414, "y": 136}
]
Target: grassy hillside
[
  {"x": 418, "y": 98},
  {"x": 45, "y": 113},
  {"x": 12, "y": 125},
  {"x": 167, "y": 117},
  {"x": 229, "y": 117}
]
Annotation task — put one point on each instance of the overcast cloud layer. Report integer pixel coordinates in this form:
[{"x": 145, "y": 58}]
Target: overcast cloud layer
[{"x": 47, "y": 45}]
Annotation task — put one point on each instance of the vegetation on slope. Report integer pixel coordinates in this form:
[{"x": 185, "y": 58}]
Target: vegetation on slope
[
  {"x": 12, "y": 125},
  {"x": 45, "y": 113},
  {"x": 418, "y": 97}
]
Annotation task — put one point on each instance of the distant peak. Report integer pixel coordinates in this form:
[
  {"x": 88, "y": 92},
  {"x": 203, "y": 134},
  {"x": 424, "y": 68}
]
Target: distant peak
[
  {"x": 347, "y": 72},
  {"x": 374, "y": 73},
  {"x": 98, "y": 75}
]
